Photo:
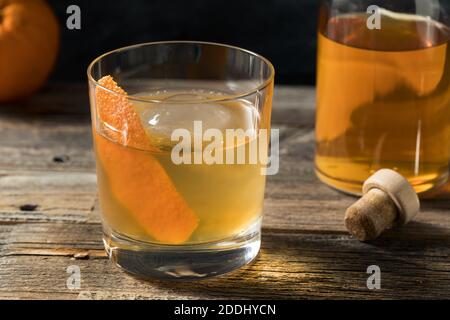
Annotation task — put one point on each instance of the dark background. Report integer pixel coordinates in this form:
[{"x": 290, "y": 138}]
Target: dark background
[{"x": 284, "y": 31}]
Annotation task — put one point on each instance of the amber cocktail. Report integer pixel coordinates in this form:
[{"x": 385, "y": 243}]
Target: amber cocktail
[{"x": 176, "y": 126}]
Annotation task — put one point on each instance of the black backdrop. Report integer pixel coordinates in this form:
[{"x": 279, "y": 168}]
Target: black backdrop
[{"x": 282, "y": 30}]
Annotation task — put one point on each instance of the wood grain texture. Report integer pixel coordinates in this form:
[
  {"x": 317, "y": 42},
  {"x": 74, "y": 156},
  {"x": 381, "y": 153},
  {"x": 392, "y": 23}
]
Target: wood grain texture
[{"x": 49, "y": 220}]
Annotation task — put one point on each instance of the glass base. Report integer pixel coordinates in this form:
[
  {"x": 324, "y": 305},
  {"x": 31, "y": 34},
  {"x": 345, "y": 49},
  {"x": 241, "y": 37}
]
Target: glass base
[
  {"x": 350, "y": 188},
  {"x": 354, "y": 188},
  {"x": 183, "y": 262}
]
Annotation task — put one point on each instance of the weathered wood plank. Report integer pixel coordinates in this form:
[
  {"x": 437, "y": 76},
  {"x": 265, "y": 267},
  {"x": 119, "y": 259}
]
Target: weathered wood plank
[
  {"x": 54, "y": 99},
  {"x": 48, "y": 196},
  {"x": 55, "y": 143},
  {"x": 295, "y": 200},
  {"x": 55, "y": 124},
  {"x": 49, "y": 219},
  {"x": 292, "y": 104},
  {"x": 320, "y": 266}
]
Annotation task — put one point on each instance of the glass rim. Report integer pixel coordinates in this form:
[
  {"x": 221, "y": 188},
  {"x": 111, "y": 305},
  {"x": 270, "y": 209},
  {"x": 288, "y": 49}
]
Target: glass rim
[{"x": 236, "y": 96}]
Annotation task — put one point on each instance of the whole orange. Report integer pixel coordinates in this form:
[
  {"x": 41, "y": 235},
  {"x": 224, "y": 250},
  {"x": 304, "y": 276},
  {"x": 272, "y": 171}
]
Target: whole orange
[{"x": 29, "y": 42}]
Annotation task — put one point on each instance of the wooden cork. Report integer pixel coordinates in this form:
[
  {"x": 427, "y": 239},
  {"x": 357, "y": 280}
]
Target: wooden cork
[{"x": 389, "y": 200}]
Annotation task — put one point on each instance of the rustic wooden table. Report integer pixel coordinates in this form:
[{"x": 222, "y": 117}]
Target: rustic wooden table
[{"x": 49, "y": 219}]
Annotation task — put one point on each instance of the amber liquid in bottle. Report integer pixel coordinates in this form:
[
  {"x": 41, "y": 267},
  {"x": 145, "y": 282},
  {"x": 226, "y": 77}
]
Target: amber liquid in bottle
[{"x": 383, "y": 100}]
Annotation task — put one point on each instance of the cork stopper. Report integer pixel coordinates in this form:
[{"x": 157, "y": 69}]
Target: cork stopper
[{"x": 389, "y": 200}]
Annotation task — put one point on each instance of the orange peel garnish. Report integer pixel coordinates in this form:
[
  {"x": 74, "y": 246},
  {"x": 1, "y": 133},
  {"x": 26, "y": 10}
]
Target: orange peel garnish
[
  {"x": 119, "y": 121},
  {"x": 135, "y": 177}
]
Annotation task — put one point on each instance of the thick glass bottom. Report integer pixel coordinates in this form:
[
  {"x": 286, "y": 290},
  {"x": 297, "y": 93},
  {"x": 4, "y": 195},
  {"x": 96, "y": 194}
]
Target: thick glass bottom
[{"x": 183, "y": 262}]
